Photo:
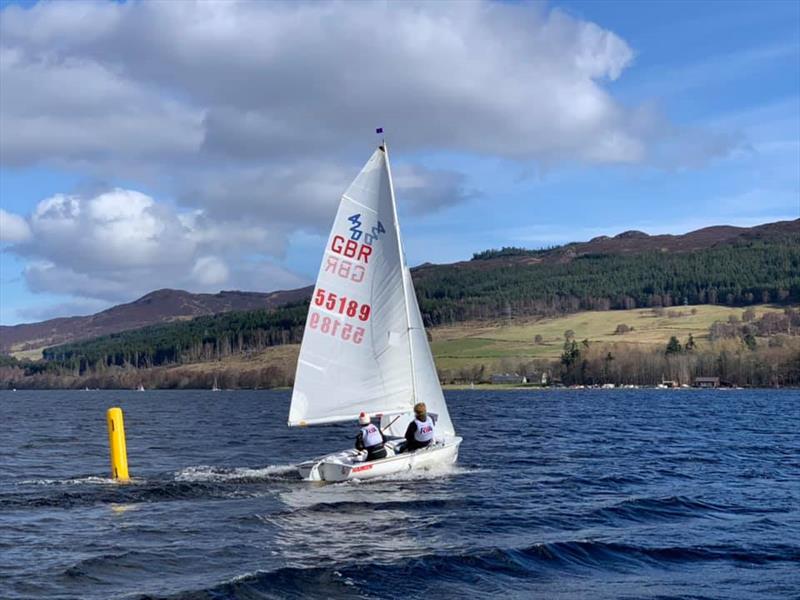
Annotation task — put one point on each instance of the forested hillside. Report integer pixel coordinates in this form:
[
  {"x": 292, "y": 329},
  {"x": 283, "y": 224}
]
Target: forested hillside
[
  {"x": 744, "y": 273},
  {"x": 741, "y": 268},
  {"x": 204, "y": 338},
  {"x": 735, "y": 275}
]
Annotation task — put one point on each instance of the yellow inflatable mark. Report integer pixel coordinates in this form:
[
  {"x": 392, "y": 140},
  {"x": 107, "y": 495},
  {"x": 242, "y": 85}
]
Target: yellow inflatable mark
[{"x": 116, "y": 442}]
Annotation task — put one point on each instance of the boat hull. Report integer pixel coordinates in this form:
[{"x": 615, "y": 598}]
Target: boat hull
[{"x": 344, "y": 466}]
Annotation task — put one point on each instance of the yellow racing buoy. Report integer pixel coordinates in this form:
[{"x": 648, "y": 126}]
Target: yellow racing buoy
[{"x": 116, "y": 442}]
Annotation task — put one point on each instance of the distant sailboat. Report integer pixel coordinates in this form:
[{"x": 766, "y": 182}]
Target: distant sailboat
[
  {"x": 215, "y": 387},
  {"x": 364, "y": 346},
  {"x": 140, "y": 388}
]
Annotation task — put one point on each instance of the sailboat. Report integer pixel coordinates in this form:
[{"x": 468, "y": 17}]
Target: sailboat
[{"x": 364, "y": 346}]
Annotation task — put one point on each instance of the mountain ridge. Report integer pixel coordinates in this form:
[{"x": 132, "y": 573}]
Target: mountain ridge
[
  {"x": 159, "y": 306},
  {"x": 166, "y": 305}
]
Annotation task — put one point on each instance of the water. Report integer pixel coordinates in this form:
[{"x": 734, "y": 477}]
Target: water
[{"x": 557, "y": 494}]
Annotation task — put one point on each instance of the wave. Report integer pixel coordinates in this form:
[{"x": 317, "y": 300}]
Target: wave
[
  {"x": 98, "y": 568},
  {"x": 659, "y": 509},
  {"x": 466, "y": 573}
]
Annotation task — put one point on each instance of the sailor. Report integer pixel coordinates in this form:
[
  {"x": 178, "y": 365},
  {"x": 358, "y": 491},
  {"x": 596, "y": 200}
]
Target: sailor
[
  {"x": 370, "y": 438},
  {"x": 420, "y": 431}
]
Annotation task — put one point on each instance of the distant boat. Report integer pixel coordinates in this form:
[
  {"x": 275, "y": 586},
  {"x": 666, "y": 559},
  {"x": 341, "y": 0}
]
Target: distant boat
[
  {"x": 140, "y": 388},
  {"x": 215, "y": 387},
  {"x": 364, "y": 346}
]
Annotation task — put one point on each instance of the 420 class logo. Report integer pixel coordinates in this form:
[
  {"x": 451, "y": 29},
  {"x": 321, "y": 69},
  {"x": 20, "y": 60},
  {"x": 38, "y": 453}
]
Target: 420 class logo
[{"x": 357, "y": 231}]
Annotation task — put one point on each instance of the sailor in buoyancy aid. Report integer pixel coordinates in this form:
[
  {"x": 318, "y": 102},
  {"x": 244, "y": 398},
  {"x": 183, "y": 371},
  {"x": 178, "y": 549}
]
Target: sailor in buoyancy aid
[
  {"x": 370, "y": 438},
  {"x": 421, "y": 430}
]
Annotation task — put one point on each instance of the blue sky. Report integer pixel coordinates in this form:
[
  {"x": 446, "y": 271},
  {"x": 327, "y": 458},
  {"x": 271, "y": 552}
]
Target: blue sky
[{"x": 133, "y": 157}]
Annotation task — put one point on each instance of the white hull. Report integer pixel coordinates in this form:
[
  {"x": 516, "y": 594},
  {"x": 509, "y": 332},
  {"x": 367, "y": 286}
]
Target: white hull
[{"x": 348, "y": 464}]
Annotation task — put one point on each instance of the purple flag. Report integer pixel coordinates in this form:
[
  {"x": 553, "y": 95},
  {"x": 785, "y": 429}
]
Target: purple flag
[{"x": 379, "y": 130}]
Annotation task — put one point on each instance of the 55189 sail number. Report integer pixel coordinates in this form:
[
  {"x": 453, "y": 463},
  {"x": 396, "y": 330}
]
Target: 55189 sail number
[{"x": 341, "y": 304}]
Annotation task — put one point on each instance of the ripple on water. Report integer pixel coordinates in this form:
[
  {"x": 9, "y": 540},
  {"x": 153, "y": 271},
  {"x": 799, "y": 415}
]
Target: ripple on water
[{"x": 557, "y": 494}]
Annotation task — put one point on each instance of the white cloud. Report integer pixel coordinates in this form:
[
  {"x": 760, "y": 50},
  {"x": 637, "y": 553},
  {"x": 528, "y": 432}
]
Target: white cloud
[
  {"x": 13, "y": 228},
  {"x": 210, "y": 270},
  {"x": 117, "y": 229},
  {"x": 254, "y": 110},
  {"x": 74, "y": 109},
  {"x": 254, "y": 116},
  {"x": 120, "y": 244},
  {"x": 278, "y": 80}
]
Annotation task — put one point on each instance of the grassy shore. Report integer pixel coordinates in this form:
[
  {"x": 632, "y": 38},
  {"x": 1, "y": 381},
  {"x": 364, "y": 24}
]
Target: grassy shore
[
  {"x": 467, "y": 344},
  {"x": 495, "y": 344}
]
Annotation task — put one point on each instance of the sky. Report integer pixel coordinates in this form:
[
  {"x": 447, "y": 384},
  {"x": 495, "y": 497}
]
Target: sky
[{"x": 204, "y": 145}]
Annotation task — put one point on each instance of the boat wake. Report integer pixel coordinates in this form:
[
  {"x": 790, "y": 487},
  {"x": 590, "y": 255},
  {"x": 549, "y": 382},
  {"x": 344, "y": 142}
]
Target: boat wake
[
  {"x": 89, "y": 479},
  {"x": 206, "y": 473},
  {"x": 197, "y": 482}
]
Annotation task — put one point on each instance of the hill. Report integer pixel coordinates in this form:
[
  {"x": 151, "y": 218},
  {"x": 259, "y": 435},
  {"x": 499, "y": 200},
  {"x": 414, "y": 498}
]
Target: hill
[
  {"x": 161, "y": 306},
  {"x": 718, "y": 265},
  {"x": 638, "y": 242}
]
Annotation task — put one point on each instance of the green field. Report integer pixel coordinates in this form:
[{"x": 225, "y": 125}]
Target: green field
[
  {"x": 492, "y": 344},
  {"x": 473, "y": 343}
]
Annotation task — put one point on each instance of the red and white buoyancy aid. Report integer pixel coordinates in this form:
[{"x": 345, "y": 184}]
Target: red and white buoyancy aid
[
  {"x": 371, "y": 436},
  {"x": 424, "y": 432}
]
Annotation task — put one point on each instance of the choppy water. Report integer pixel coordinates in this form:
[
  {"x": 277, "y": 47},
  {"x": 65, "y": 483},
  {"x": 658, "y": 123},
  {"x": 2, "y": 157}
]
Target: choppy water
[{"x": 557, "y": 494}]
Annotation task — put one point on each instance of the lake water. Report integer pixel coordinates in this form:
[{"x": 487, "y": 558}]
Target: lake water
[{"x": 557, "y": 494}]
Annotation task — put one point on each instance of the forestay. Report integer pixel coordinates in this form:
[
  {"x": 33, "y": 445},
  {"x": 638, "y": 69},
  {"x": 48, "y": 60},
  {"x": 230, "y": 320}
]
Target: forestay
[{"x": 355, "y": 354}]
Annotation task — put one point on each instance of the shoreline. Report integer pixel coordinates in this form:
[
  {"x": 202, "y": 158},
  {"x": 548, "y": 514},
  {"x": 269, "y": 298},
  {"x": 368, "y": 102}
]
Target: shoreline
[{"x": 494, "y": 387}]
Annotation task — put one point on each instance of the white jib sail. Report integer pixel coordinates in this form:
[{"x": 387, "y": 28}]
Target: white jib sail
[
  {"x": 428, "y": 390},
  {"x": 355, "y": 353}
]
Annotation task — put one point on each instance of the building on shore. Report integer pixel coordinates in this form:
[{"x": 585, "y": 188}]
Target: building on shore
[{"x": 706, "y": 382}]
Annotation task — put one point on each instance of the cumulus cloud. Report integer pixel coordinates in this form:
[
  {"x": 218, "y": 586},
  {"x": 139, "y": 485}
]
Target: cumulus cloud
[
  {"x": 278, "y": 97},
  {"x": 75, "y": 109},
  {"x": 123, "y": 243},
  {"x": 13, "y": 228},
  {"x": 254, "y": 116},
  {"x": 256, "y": 81}
]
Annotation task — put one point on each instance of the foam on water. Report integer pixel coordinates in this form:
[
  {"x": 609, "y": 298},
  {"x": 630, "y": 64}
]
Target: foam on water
[
  {"x": 207, "y": 473},
  {"x": 89, "y": 479}
]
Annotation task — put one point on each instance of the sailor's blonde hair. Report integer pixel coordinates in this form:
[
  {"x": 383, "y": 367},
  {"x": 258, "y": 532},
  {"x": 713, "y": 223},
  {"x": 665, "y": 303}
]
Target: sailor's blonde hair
[{"x": 420, "y": 407}]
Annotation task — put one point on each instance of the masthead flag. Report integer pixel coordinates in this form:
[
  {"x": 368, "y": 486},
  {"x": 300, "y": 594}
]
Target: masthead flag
[{"x": 379, "y": 130}]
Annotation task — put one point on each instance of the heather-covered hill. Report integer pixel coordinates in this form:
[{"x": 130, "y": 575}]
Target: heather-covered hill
[{"x": 161, "y": 306}]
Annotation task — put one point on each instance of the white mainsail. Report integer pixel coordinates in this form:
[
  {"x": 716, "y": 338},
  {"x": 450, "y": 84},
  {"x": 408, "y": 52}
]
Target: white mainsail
[
  {"x": 355, "y": 352},
  {"x": 364, "y": 346}
]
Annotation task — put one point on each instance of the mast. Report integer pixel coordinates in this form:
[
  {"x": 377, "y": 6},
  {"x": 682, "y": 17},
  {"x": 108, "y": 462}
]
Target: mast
[{"x": 403, "y": 269}]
